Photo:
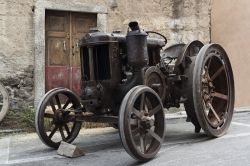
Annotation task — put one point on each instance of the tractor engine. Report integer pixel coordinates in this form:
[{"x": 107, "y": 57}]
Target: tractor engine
[{"x": 113, "y": 63}]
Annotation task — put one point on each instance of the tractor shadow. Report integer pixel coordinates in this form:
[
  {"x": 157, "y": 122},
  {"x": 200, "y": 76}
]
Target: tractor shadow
[{"x": 177, "y": 132}]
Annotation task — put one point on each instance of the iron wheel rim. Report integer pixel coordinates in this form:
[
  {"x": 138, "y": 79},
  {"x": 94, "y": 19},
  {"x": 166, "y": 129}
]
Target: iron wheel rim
[
  {"x": 150, "y": 137},
  {"x": 67, "y": 130},
  {"x": 219, "y": 105}
]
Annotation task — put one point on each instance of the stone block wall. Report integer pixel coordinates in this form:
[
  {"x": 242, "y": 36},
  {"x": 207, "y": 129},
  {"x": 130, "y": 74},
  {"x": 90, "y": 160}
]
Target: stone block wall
[
  {"x": 17, "y": 51},
  {"x": 179, "y": 20}
]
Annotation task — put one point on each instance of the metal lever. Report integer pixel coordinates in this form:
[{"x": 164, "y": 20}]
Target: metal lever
[{"x": 75, "y": 49}]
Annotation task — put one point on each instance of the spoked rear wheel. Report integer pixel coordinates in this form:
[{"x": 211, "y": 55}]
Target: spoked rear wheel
[
  {"x": 142, "y": 123},
  {"x": 4, "y": 102},
  {"x": 52, "y": 117},
  {"x": 213, "y": 90}
]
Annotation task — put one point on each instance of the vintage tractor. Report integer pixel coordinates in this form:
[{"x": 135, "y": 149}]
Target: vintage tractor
[{"x": 128, "y": 80}]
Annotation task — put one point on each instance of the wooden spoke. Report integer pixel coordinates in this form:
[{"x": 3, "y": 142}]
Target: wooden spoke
[
  {"x": 58, "y": 101},
  {"x": 155, "y": 110},
  {"x": 142, "y": 101},
  {"x": 66, "y": 104},
  {"x": 219, "y": 95},
  {"x": 62, "y": 133},
  {"x": 52, "y": 105},
  {"x": 67, "y": 129},
  {"x": 137, "y": 113},
  {"x": 53, "y": 132},
  {"x": 214, "y": 112},
  {"x": 155, "y": 136},
  {"x": 47, "y": 115},
  {"x": 217, "y": 73}
]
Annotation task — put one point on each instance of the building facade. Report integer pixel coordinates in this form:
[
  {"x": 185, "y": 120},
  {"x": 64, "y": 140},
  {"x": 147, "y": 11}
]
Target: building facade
[
  {"x": 33, "y": 31},
  {"x": 231, "y": 28}
]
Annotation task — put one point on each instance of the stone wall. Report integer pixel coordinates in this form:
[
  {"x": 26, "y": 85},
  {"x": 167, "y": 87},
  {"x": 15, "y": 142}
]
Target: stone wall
[
  {"x": 16, "y": 51},
  {"x": 179, "y": 20},
  {"x": 20, "y": 88}
]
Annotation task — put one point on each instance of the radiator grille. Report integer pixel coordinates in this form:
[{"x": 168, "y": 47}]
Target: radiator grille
[{"x": 100, "y": 63}]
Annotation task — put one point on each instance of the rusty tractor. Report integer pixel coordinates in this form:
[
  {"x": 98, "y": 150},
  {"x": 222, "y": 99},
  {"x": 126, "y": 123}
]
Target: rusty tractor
[{"x": 128, "y": 79}]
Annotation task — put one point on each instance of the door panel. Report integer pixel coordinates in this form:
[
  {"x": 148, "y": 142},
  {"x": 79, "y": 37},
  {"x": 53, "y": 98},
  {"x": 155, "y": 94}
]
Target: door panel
[
  {"x": 57, "y": 76},
  {"x": 57, "y": 52},
  {"x": 63, "y": 31},
  {"x": 81, "y": 23},
  {"x": 76, "y": 79}
]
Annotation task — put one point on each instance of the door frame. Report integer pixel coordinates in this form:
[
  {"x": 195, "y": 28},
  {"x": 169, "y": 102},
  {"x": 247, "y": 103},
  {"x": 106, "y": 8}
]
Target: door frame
[{"x": 39, "y": 31}]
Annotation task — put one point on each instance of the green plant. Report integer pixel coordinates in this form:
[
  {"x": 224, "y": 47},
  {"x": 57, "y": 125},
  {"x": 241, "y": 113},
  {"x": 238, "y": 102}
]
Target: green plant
[{"x": 28, "y": 116}]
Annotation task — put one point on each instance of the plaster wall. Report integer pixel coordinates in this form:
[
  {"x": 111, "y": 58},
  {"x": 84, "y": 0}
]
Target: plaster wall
[{"x": 231, "y": 28}]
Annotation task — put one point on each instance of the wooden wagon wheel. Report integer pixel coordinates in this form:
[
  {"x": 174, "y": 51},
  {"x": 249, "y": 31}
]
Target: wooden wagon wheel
[
  {"x": 142, "y": 123},
  {"x": 213, "y": 90},
  {"x": 52, "y": 124},
  {"x": 4, "y": 101}
]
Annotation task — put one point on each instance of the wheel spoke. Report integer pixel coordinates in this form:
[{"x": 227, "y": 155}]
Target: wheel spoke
[
  {"x": 58, "y": 101},
  {"x": 62, "y": 133},
  {"x": 142, "y": 101},
  {"x": 70, "y": 118},
  {"x": 52, "y": 105},
  {"x": 142, "y": 143},
  {"x": 209, "y": 63},
  {"x": 217, "y": 73},
  {"x": 137, "y": 113},
  {"x": 214, "y": 112},
  {"x": 66, "y": 104},
  {"x": 1, "y": 103},
  {"x": 53, "y": 132},
  {"x": 146, "y": 108},
  {"x": 47, "y": 115},
  {"x": 67, "y": 129},
  {"x": 155, "y": 110},
  {"x": 219, "y": 95},
  {"x": 155, "y": 136}
]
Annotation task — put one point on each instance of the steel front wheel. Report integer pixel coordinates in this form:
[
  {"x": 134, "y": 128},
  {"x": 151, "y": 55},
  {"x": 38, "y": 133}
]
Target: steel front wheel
[
  {"x": 213, "y": 90},
  {"x": 4, "y": 102},
  {"x": 142, "y": 123},
  {"x": 52, "y": 122}
]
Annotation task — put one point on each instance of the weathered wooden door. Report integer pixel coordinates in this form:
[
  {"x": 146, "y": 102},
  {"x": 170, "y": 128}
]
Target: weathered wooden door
[{"x": 63, "y": 31}]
